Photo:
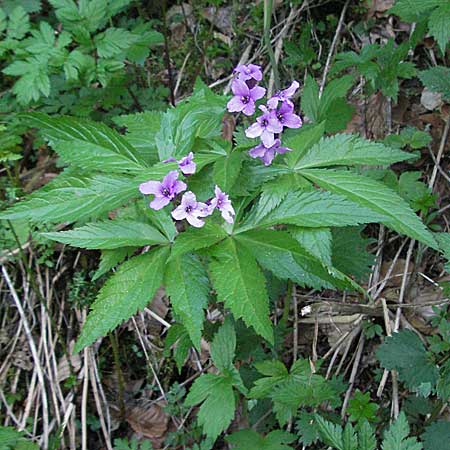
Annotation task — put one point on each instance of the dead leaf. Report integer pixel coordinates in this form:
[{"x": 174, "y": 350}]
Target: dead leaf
[
  {"x": 220, "y": 18},
  {"x": 430, "y": 100},
  {"x": 396, "y": 275},
  {"x": 178, "y": 16},
  {"x": 149, "y": 419},
  {"x": 64, "y": 369}
]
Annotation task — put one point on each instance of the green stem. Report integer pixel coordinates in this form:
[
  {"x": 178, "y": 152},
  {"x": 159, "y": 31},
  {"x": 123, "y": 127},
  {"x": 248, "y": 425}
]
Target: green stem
[{"x": 267, "y": 20}]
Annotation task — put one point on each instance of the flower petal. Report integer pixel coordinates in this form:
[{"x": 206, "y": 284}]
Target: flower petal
[
  {"x": 179, "y": 186},
  {"x": 240, "y": 88},
  {"x": 194, "y": 221},
  {"x": 179, "y": 213},
  {"x": 267, "y": 138},
  {"x": 254, "y": 130},
  {"x": 258, "y": 151},
  {"x": 292, "y": 121},
  {"x": 150, "y": 187},
  {"x": 249, "y": 108},
  {"x": 235, "y": 104},
  {"x": 159, "y": 203},
  {"x": 257, "y": 92},
  {"x": 291, "y": 90},
  {"x": 272, "y": 103}
]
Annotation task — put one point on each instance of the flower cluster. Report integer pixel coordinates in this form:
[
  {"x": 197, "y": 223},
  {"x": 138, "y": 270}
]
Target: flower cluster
[
  {"x": 193, "y": 211},
  {"x": 276, "y": 115}
]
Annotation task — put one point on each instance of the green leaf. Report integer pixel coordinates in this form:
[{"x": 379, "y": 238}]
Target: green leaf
[
  {"x": 197, "y": 238},
  {"x": 110, "y": 235},
  {"x": 223, "y": 346},
  {"x": 319, "y": 209},
  {"x": 178, "y": 336},
  {"x": 361, "y": 408},
  {"x": 349, "y": 150},
  {"x": 141, "y": 130},
  {"x": 240, "y": 284},
  {"x": 110, "y": 259},
  {"x": 316, "y": 240},
  {"x": 186, "y": 283},
  {"x": 129, "y": 290},
  {"x": 18, "y": 23},
  {"x": 366, "y": 437},
  {"x": 98, "y": 147},
  {"x": 250, "y": 439},
  {"x": 379, "y": 198},
  {"x": 437, "y": 79},
  {"x": 349, "y": 250},
  {"x": 217, "y": 410},
  {"x": 226, "y": 170},
  {"x": 413, "y": 10},
  {"x": 439, "y": 25},
  {"x": 113, "y": 41},
  {"x": 396, "y": 438},
  {"x": 11, "y": 439},
  {"x": 436, "y": 436},
  {"x": 281, "y": 254},
  {"x": 310, "y": 98},
  {"x": 301, "y": 141},
  {"x": 405, "y": 353},
  {"x": 330, "y": 433},
  {"x": 71, "y": 197}
]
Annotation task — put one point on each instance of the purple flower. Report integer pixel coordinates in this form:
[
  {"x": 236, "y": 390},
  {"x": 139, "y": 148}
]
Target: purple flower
[
  {"x": 249, "y": 72},
  {"x": 222, "y": 202},
  {"x": 266, "y": 126},
  {"x": 268, "y": 154},
  {"x": 164, "y": 192},
  {"x": 186, "y": 164},
  {"x": 283, "y": 96},
  {"x": 287, "y": 118},
  {"x": 244, "y": 97},
  {"x": 190, "y": 209}
]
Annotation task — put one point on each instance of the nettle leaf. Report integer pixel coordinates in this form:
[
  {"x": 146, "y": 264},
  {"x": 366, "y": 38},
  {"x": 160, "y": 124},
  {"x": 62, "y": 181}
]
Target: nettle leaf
[
  {"x": 439, "y": 24},
  {"x": 349, "y": 150},
  {"x": 110, "y": 235},
  {"x": 413, "y": 10},
  {"x": 281, "y": 254},
  {"x": 187, "y": 285},
  {"x": 316, "y": 241},
  {"x": 330, "y": 433},
  {"x": 87, "y": 144},
  {"x": 247, "y": 439},
  {"x": 318, "y": 209},
  {"x": 405, "y": 352},
  {"x": 437, "y": 79},
  {"x": 71, "y": 197},
  {"x": 196, "y": 238},
  {"x": 436, "y": 436},
  {"x": 141, "y": 130},
  {"x": 240, "y": 284},
  {"x": 396, "y": 438},
  {"x": 366, "y": 437},
  {"x": 217, "y": 409},
  {"x": 376, "y": 196},
  {"x": 129, "y": 290},
  {"x": 361, "y": 408}
]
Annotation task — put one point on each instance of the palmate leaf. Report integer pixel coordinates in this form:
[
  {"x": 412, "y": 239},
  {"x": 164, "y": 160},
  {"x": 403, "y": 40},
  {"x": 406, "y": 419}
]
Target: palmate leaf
[
  {"x": 89, "y": 145},
  {"x": 72, "y": 197},
  {"x": 349, "y": 150},
  {"x": 439, "y": 24},
  {"x": 240, "y": 284},
  {"x": 223, "y": 347},
  {"x": 130, "y": 289},
  {"x": 196, "y": 238},
  {"x": 317, "y": 241},
  {"x": 187, "y": 285},
  {"x": 110, "y": 235},
  {"x": 217, "y": 410},
  {"x": 375, "y": 196},
  {"x": 226, "y": 170},
  {"x": 110, "y": 259},
  {"x": 281, "y": 254},
  {"x": 317, "y": 209}
]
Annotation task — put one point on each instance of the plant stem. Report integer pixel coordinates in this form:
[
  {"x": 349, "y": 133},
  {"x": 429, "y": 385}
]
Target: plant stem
[
  {"x": 267, "y": 20},
  {"x": 115, "y": 348}
]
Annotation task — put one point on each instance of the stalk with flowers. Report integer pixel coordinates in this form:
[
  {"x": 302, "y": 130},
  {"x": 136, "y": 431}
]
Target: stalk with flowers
[{"x": 214, "y": 221}]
